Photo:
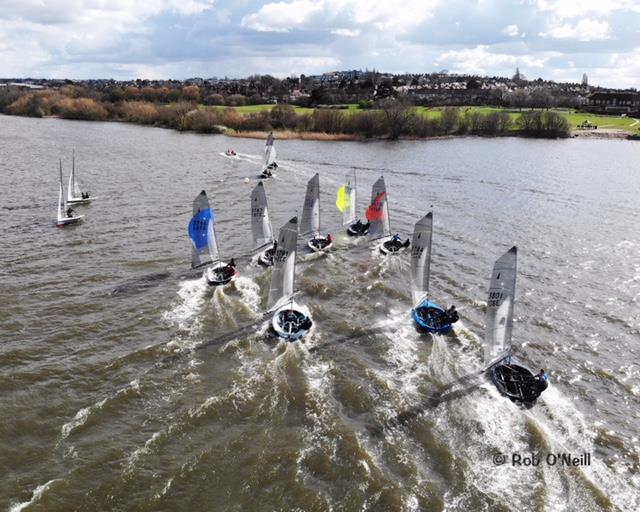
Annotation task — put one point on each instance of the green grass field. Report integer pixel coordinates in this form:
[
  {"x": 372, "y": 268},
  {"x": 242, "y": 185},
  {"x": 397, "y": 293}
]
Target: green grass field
[{"x": 575, "y": 118}]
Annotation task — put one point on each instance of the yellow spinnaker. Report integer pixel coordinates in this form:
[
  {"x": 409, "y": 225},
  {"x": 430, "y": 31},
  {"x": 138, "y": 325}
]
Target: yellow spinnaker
[{"x": 343, "y": 201}]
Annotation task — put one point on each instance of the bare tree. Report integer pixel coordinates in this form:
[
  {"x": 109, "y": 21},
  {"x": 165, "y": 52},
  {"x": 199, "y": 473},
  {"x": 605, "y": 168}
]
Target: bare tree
[{"x": 398, "y": 114}]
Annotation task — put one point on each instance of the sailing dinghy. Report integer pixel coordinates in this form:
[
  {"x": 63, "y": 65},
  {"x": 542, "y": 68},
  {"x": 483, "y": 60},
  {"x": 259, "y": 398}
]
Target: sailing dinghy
[
  {"x": 427, "y": 315},
  {"x": 291, "y": 320},
  {"x": 379, "y": 225},
  {"x": 204, "y": 246},
  {"x": 347, "y": 203},
  {"x": 65, "y": 214},
  {"x": 310, "y": 222},
  {"x": 75, "y": 195},
  {"x": 513, "y": 381},
  {"x": 263, "y": 240},
  {"x": 269, "y": 162}
]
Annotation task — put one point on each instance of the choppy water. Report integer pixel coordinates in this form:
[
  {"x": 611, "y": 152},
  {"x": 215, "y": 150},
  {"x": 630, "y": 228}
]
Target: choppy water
[{"x": 119, "y": 391}]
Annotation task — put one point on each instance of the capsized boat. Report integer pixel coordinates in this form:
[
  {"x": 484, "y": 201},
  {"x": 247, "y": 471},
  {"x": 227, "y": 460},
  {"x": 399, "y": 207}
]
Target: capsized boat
[
  {"x": 263, "y": 241},
  {"x": 512, "y": 380},
  {"x": 75, "y": 195},
  {"x": 310, "y": 222},
  {"x": 346, "y": 202},
  {"x": 427, "y": 315},
  {"x": 290, "y": 320},
  {"x": 269, "y": 162},
  {"x": 204, "y": 250},
  {"x": 379, "y": 224},
  {"x": 65, "y": 214}
]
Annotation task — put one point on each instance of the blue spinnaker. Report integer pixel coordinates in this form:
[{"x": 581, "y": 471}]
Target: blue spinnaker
[{"x": 199, "y": 228}]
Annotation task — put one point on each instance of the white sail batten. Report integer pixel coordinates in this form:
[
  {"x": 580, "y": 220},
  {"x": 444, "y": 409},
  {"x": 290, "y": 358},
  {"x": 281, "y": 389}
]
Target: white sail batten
[
  {"x": 378, "y": 211},
  {"x": 284, "y": 266},
  {"x": 260, "y": 223},
  {"x": 421, "y": 258},
  {"x": 500, "y": 306},
  {"x": 310, "y": 222}
]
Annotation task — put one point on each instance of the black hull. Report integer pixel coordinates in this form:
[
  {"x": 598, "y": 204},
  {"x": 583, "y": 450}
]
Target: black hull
[{"x": 517, "y": 383}]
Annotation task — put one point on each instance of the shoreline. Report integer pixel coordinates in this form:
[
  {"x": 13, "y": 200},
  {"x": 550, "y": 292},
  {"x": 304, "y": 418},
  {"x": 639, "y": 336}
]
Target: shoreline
[{"x": 603, "y": 133}]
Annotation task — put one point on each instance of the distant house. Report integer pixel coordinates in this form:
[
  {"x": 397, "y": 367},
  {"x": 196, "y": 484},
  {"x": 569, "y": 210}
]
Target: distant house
[{"x": 619, "y": 102}]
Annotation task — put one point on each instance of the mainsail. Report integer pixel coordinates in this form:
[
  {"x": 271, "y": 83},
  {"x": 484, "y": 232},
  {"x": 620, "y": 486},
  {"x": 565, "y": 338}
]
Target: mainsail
[
  {"x": 203, "y": 237},
  {"x": 62, "y": 203},
  {"x": 500, "y": 309},
  {"x": 284, "y": 265},
  {"x": 346, "y": 199},
  {"x": 378, "y": 211},
  {"x": 421, "y": 258},
  {"x": 260, "y": 224},
  {"x": 269, "y": 152},
  {"x": 74, "y": 192},
  {"x": 310, "y": 222}
]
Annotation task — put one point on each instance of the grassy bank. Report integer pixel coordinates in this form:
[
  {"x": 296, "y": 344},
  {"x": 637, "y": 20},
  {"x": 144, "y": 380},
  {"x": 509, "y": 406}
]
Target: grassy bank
[{"x": 388, "y": 118}]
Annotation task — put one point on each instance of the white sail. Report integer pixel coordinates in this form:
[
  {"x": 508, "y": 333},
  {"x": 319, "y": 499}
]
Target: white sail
[
  {"x": 310, "y": 222},
  {"x": 269, "y": 152},
  {"x": 260, "y": 223},
  {"x": 346, "y": 200},
  {"x": 74, "y": 191},
  {"x": 500, "y": 309},
  {"x": 284, "y": 265},
  {"x": 421, "y": 258},
  {"x": 62, "y": 203},
  {"x": 202, "y": 234},
  {"x": 378, "y": 211}
]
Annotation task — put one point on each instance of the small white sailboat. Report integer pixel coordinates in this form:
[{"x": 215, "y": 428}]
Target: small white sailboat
[
  {"x": 290, "y": 320},
  {"x": 269, "y": 162},
  {"x": 514, "y": 381},
  {"x": 65, "y": 214},
  {"x": 261, "y": 228},
  {"x": 346, "y": 201},
  {"x": 428, "y": 315},
  {"x": 379, "y": 224},
  {"x": 204, "y": 246},
  {"x": 75, "y": 195},
  {"x": 310, "y": 222}
]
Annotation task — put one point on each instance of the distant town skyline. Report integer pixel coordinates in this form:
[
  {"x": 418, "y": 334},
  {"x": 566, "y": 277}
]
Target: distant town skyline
[{"x": 161, "y": 39}]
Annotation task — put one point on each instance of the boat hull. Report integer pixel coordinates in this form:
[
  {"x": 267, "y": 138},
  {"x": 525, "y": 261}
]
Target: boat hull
[
  {"x": 390, "y": 248},
  {"x": 68, "y": 221},
  {"x": 288, "y": 321},
  {"x": 426, "y": 316},
  {"x": 356, "y": 228},
  {"x": 217, "y": 276},
  {"x": 517, "y": 383},
  {"x": 265, "y": 258},
  {"x": 79, "y": 200},
  {"x": 320, "y": 244}
]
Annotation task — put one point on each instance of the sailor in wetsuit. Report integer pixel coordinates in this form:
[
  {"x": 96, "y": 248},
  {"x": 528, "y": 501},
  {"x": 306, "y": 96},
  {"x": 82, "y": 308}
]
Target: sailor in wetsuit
[
  {"x": 69, "y": 212},
  {"x": 451, "y": 315},
  {"x": 542, "y": 380}
]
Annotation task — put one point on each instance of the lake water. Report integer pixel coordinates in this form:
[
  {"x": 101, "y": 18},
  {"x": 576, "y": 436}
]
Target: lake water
[{"x": 120, "y": 390}]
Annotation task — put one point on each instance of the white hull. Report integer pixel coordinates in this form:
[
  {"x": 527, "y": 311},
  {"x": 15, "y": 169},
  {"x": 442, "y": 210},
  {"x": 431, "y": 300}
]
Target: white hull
[
  {"x": 315, "y": 248},
  {"x": 215, "y": 278},
  {"x": 79, "y": 200},
  {"x": 264, "y": 259},
  {"x": 290, "y": 330},
  {"x": 387, "y": 252},
  {"x": 65, "y": 221}
]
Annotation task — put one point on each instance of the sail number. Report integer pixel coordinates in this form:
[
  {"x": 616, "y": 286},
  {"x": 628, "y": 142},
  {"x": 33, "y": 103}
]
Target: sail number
[
  {"x": 416, "y": 251},
  {"x": 495, "y": 298},
  {"x": 280, "y": 256},
  {"x": 257, "y": 212}
]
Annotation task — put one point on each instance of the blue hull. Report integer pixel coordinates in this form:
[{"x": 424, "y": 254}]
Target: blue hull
[{"x": 425, "y": 321}]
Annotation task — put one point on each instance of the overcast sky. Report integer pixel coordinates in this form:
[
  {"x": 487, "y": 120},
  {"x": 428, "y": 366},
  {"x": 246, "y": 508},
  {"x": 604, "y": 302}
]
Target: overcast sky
[{"x": 552, "y": 39}]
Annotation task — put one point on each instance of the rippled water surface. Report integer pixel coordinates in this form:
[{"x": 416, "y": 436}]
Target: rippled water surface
[{"x": 120, "y": 389}]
